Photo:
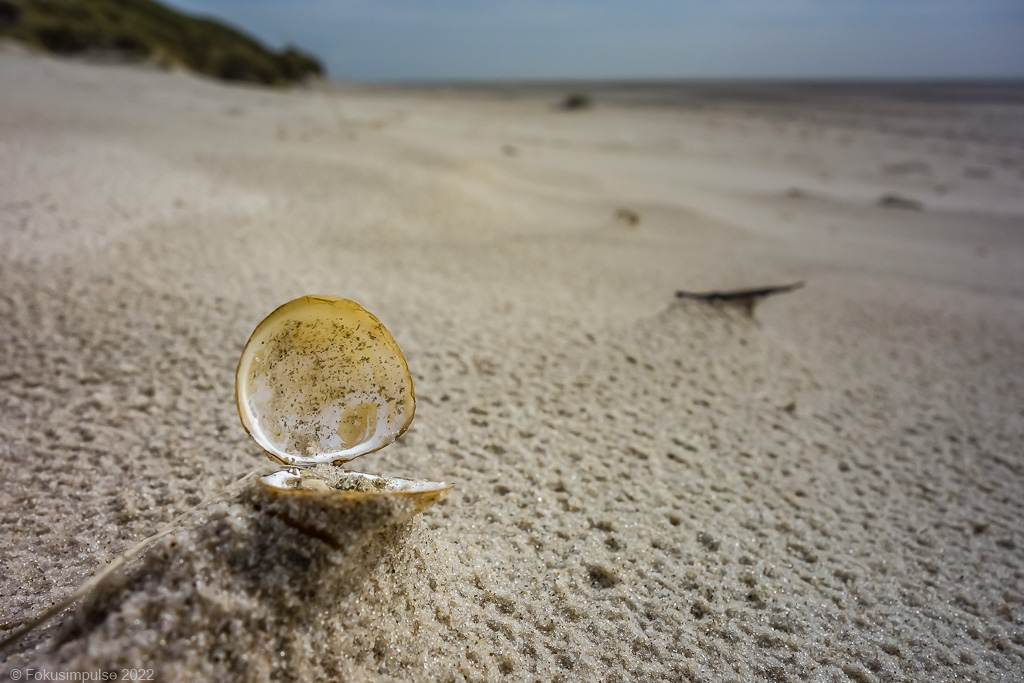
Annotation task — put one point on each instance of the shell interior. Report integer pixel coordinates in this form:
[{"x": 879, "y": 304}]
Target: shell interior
[{"x": 321, "y": 380}]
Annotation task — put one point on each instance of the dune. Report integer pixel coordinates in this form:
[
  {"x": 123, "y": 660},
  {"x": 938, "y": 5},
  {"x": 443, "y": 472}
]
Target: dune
[{"x": 827, "y": 487}]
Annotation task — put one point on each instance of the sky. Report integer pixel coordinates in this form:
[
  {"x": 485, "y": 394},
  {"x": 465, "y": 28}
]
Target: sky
[{"x": 413, "y": 40}]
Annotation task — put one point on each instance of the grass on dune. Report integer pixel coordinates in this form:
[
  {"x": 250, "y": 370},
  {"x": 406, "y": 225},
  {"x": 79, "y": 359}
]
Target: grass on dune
[{"x": 144, "y": 29}]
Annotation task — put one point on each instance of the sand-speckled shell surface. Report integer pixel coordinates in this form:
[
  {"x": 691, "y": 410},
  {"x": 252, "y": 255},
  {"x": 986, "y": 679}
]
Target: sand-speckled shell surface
[{"x": 321, "y": 381}]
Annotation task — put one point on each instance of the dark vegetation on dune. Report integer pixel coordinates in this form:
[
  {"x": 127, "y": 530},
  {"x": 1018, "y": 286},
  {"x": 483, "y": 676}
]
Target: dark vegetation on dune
[{"x": 147, "y": 30}]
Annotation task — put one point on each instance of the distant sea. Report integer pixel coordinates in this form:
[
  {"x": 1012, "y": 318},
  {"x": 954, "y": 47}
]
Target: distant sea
[
  {"x": 698, "y": 92},
  {"x": 987, "y": 112}
]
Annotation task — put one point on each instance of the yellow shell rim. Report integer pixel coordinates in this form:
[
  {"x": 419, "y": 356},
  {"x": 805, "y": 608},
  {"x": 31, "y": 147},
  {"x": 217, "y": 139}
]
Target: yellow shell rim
[{"x": 439, "y": 489}]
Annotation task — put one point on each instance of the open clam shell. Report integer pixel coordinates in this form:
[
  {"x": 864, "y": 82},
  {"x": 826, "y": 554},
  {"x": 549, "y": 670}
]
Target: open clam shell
[{"x": 321, "y": 381}]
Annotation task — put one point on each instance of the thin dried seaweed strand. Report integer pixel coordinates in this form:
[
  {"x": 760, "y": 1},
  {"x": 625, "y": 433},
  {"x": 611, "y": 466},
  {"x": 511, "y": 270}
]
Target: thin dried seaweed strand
[{"x": 83, "y": 590}]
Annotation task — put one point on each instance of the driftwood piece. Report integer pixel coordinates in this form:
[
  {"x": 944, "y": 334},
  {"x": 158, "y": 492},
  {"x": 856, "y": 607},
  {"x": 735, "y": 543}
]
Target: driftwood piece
[{"x": 746, "y": 299}]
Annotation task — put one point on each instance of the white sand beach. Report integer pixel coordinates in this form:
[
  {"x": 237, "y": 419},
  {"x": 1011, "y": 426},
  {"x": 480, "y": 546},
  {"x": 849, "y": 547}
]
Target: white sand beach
[{"x": 646, "y": 488}]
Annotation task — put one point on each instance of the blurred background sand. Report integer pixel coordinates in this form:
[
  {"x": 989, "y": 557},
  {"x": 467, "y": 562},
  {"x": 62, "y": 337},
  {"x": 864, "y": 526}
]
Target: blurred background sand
[{"x": 645, "y": 489}]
